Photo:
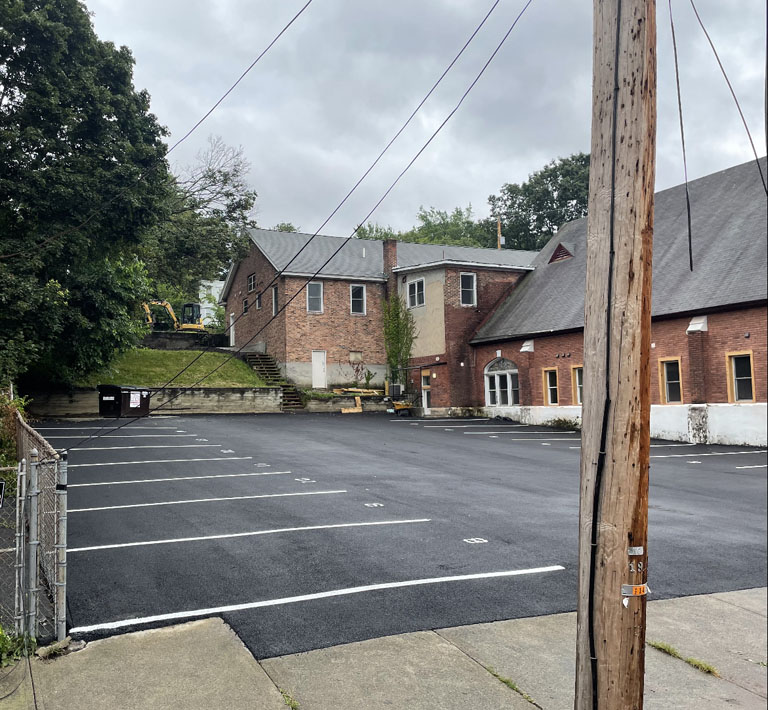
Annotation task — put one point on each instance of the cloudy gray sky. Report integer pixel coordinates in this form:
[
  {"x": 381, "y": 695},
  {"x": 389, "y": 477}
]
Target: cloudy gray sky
[{"x": 314, "y": 113}]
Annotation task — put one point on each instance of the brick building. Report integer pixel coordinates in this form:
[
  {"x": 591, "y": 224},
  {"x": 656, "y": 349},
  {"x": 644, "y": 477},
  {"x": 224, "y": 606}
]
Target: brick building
[
  {"x": 322, "y": 334},
  {"x": 331, "y": 331},
  {"x": 708, "y": 380},
  {"x": 501, "y": 330}
]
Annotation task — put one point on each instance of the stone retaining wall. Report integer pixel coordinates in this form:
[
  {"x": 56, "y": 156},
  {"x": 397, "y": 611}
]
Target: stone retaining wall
[{"x": 200, "y": 400}]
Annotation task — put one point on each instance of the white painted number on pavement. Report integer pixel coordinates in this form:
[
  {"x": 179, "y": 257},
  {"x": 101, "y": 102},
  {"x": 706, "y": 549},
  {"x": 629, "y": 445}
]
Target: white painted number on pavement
[
  {"x": 304, "y": 480},
  {"x": 201, "y": 439},
  {"x": 227, "y": 451},
  {"x": 475, "y": 540},
  {"x": 261, "y": 464},
  {"x": 373, "y": 505}
]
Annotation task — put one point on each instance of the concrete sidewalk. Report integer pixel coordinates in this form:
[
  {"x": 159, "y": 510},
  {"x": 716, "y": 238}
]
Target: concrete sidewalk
[{"x": 518, "y": 664}]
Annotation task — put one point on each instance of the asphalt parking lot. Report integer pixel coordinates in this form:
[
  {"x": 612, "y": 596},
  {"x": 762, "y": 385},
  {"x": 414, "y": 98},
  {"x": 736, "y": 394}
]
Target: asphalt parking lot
[{"x": 307, "y": 531}]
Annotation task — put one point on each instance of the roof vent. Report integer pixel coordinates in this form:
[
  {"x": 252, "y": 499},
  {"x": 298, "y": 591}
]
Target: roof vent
[{"x": 560, "y": 254}]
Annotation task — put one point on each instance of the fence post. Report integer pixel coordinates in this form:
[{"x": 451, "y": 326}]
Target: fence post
[
  {"x": 61, "y": 551},
  {"x": 33, "y": 568},
  {"x": 21, "y": 493}
]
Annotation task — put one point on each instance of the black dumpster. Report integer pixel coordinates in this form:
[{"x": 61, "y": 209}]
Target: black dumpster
[{"x": 119, "y": 400}]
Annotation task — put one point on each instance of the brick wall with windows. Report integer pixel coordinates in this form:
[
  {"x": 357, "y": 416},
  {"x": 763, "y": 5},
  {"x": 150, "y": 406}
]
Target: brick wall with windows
[
  {"x": 461, "y": 321},
  {"x": 703, "y": 359},
  {"x": 256, "y": 271},
  {"x": 336, "y": 329}
]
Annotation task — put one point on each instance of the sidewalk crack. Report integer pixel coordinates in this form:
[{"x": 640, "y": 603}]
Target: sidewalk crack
[{"x": 505, "y": 681}]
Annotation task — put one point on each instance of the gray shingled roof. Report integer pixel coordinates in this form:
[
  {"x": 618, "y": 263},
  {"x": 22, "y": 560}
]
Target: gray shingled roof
[
  {"x": 359, "y": 258},
  {"x": 409, "y": 254},
  {"x": 729, "y": 223}
]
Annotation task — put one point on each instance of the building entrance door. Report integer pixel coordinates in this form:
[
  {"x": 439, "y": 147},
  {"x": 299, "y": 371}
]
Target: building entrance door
[{"x": 319, "y": 376}]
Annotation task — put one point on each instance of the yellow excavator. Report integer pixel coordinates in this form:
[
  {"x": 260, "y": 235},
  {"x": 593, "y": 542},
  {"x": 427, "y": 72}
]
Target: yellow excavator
[{"x": 190, "y": 317}]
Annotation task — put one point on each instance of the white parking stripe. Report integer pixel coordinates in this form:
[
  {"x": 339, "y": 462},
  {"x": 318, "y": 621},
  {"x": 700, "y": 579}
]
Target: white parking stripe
[
  {"x": 714, "y": 453},
  {"x": 494, "y": 435},
  {"x": 128, "y": 463},
  {"x": 653, "y": 446},
  {"x": 762, "y": 465},
  {"x": 247, "y": 534},
  {"x": 139, "y": 621},
  {"x": 411, "y": 419},
  {"x": 471, "y": 426},
  {"x": 147, "y": 446},
  {"x": 485, "y": 433},
  {"x": 202, "y": 500},
  {"x": 177, "y": 478},
  {"x": 96, "y": 428},
  {"x": 125, "y": 436}
]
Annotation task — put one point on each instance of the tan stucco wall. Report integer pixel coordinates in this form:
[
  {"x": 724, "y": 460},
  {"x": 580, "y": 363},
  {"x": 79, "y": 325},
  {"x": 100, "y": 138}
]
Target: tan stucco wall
[{"x": 429, "y": 318}]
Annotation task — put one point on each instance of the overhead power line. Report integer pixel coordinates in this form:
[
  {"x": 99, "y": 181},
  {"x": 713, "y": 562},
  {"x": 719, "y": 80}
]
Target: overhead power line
[
  {"x": 160, "y": 161},
  {"x": 341, "y": 246}
]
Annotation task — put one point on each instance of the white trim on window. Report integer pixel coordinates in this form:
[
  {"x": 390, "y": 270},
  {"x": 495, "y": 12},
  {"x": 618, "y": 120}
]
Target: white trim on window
[
  {"x": 416, "y": 296},
  {"x": 502, "y": 386},
  {"x": 315, "y": 301},
  {"x": 362, "y": 298},
  {"x": 251, "y": 282},
  {"x": 551, "y": 389},
  {"x": 471, "y": 291},
  {"x": 274, "y": 301}
]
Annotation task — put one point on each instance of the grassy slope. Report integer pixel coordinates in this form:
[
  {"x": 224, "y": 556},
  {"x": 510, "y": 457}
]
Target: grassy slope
[{"x": 153, "y": 368}]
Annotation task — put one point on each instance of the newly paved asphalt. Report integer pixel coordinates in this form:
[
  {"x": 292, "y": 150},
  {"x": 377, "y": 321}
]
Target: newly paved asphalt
[{"x": 453, "y": 498}]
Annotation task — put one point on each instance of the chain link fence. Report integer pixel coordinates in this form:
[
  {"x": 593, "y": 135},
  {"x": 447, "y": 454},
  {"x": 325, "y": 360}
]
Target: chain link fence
[{"x": 33, "y": 533}]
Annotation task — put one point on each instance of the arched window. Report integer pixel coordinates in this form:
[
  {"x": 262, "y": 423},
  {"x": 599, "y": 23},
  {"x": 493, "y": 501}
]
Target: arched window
[{"x": 502, "y": 384}]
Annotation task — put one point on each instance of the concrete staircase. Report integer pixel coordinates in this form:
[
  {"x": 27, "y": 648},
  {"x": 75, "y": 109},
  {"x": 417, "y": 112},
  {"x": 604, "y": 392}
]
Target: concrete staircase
[{"x": 266, "y": 368}]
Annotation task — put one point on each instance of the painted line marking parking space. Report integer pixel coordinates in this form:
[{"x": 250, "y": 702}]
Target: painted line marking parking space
[
  {"x": 140, "y": 621},
  {"x": 98, "y": 428},
  {"x": 406, "y": 419},
  {"x": 129, "y": 463},
  {"x": 485, "y": 433},
  {"x": 494, "y": 435},
  {"x": 654, "y": 446},
  {"x": 126, "y": 436},
  {"x": 228, "y": 536},
  {"x": 714, "y": 453},
  {"x": 472, "y": 426},
  {"x": 760, "y": 465},
  {"x": 149, "y": 446},
  {"x": 201, "y": 500},
  {"x": 177, "y": 478}
]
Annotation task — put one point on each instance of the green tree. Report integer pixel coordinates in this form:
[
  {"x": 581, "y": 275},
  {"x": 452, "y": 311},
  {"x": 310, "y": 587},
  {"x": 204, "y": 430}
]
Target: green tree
[
  {"x": 376, "y": 231},
  {"x": 533, "y": 211},
  {"x": 440, "y": 227},
  {"x": 399, "y": 334},
  {"x": 208, "y": 212},
  {"x": 83, "y": 177},
  {"x": 284, "y": 227}
]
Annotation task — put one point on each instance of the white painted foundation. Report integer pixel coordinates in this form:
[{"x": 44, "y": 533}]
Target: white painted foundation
[{"x": 733, "y": 424}]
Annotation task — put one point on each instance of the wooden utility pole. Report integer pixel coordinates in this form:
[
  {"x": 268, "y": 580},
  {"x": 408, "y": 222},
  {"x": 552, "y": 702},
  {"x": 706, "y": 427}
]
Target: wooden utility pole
[{"x": 613, "y": 516}]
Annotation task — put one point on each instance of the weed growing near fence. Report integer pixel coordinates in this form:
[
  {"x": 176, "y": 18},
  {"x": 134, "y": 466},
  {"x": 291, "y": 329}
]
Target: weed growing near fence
[{"x": 13, "y": 647}]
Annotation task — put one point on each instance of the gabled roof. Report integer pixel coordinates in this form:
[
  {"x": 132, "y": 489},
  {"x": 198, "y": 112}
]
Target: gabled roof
[
  {"x": 363, "y": 259},
  {"x": 359, "y": 258},
  {"x": 411, "y": 255},
  {"x": 729, "y": 223}
]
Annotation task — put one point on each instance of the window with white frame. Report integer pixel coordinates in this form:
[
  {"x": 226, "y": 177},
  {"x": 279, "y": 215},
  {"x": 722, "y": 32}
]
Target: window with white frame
[
  {"x": 415, "y": 293},
  {"x": 578, "y": 384},
  {"x": 468, "y": 289},
  {"x": 502, "y": 383},
  {"x": 357, "y": 299},
  {"x": 740, "y": 377},
  {"x": 550, "y": 386},
  {"x": 315, "y": 297},
  {"x": 274, "y": 301},
  {"x": 671, "y": 386},
  {"x": 258, "y": 302},
  {"x": 251, "y": 282}
]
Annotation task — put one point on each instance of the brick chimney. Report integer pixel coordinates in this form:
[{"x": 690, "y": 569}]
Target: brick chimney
[{"x": 390, "y": 262}]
